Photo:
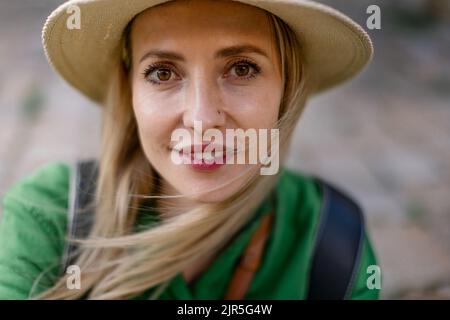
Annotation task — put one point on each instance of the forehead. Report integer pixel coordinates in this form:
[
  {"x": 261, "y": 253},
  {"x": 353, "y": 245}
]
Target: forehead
[{"x": 198, "y": 20}]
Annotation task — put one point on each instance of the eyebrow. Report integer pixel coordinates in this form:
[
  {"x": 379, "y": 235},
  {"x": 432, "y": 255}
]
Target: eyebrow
[{"x": 222, "y": 53}]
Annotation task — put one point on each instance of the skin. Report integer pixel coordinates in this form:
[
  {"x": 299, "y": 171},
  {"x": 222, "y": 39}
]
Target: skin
[{"x": 222, "y": 92}]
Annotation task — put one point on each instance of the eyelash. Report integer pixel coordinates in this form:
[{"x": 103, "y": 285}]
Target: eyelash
[{"x": 158, "y": 65}]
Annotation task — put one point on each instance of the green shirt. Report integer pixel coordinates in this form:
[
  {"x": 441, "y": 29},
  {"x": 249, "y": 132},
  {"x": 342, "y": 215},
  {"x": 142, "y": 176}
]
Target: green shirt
[{"x": 34, "y": 225}]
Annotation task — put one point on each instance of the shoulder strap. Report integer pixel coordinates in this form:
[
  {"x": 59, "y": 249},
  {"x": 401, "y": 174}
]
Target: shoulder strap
[
  {"x": 338, "y": 245},
  {"x": 250, "y": 260},
  {"x": 80, "y": 214}
]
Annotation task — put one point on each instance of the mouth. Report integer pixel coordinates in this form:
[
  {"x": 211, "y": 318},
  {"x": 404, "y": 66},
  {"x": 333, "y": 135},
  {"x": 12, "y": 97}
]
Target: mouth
[{"x": 204, "y": 157}]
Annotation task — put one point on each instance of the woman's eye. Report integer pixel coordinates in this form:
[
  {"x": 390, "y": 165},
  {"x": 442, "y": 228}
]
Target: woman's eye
[
  {"x": 242, "y": 70},
  {"x": 163, "y": 74},
  {"x": 157, "y": 74},
  {"x": 245, "y": 70}
]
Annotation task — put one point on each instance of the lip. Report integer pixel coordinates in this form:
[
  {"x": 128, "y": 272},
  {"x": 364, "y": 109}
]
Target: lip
[
  {"x": 190, "y": 152},
  {"x": 200, "y": 148},
  {"x": 206, "y": 166}
]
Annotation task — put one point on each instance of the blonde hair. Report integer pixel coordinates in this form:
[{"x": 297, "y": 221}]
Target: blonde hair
[{"x": 118, "y": 263}]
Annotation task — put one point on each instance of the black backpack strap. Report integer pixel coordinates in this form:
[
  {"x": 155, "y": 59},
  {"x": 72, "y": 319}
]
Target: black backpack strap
[
  {"x": 339, "y": 240},
  {"x": 81, "y": 205}
]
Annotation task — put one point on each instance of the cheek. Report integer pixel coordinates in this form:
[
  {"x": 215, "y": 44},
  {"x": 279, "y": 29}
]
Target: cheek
[
  {"x": 256, "y": 108},
  {"x": 154, "y": 120}
]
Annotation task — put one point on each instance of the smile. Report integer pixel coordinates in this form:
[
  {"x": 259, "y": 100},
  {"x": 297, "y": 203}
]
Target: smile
[
  {"x": 205, "y": 157},
  {"x": 252, "y": 147}
]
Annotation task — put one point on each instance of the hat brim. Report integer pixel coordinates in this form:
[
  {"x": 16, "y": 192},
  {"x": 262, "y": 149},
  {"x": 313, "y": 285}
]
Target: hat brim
[{"x": 335, "y": 48}]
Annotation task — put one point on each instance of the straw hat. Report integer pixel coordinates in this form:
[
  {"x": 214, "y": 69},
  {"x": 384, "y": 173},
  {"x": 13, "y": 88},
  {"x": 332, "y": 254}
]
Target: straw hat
[{"x": 334, "y": 46}]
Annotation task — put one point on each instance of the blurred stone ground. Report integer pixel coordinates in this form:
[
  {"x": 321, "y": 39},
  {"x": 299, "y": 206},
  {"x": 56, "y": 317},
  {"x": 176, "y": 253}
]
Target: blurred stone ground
[{"x": 385, "y": 137}]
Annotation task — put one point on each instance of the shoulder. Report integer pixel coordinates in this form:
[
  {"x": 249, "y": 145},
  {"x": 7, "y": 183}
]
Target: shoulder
[
  {"x": 302, "y": 200},
  {"x": 308, "y": 197},
  {"x": 44, "y": 193},
  {"x": 42, "y": 196},
  {"x": 49, "y": 182},
  {"x": 33, "y": 227},
  {"x": 300, "y": 197}
]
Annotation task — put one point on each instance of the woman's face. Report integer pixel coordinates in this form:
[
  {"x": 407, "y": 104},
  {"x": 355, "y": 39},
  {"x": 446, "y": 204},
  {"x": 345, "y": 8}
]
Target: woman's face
[{"x": 209, "y": 61}]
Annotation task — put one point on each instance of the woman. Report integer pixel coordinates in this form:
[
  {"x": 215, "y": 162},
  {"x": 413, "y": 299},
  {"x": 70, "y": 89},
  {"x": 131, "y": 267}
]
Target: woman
[{"x": 168, "y": 230}]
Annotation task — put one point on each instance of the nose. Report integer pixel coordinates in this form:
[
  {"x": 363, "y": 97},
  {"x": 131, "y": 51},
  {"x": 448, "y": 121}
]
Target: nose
[{"x": 203, "y": 103}]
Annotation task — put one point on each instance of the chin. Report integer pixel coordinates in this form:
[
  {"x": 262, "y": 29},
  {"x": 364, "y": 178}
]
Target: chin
[
  {"x": 201, "y": 185},
  {"x": 212, "y": 197}
]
